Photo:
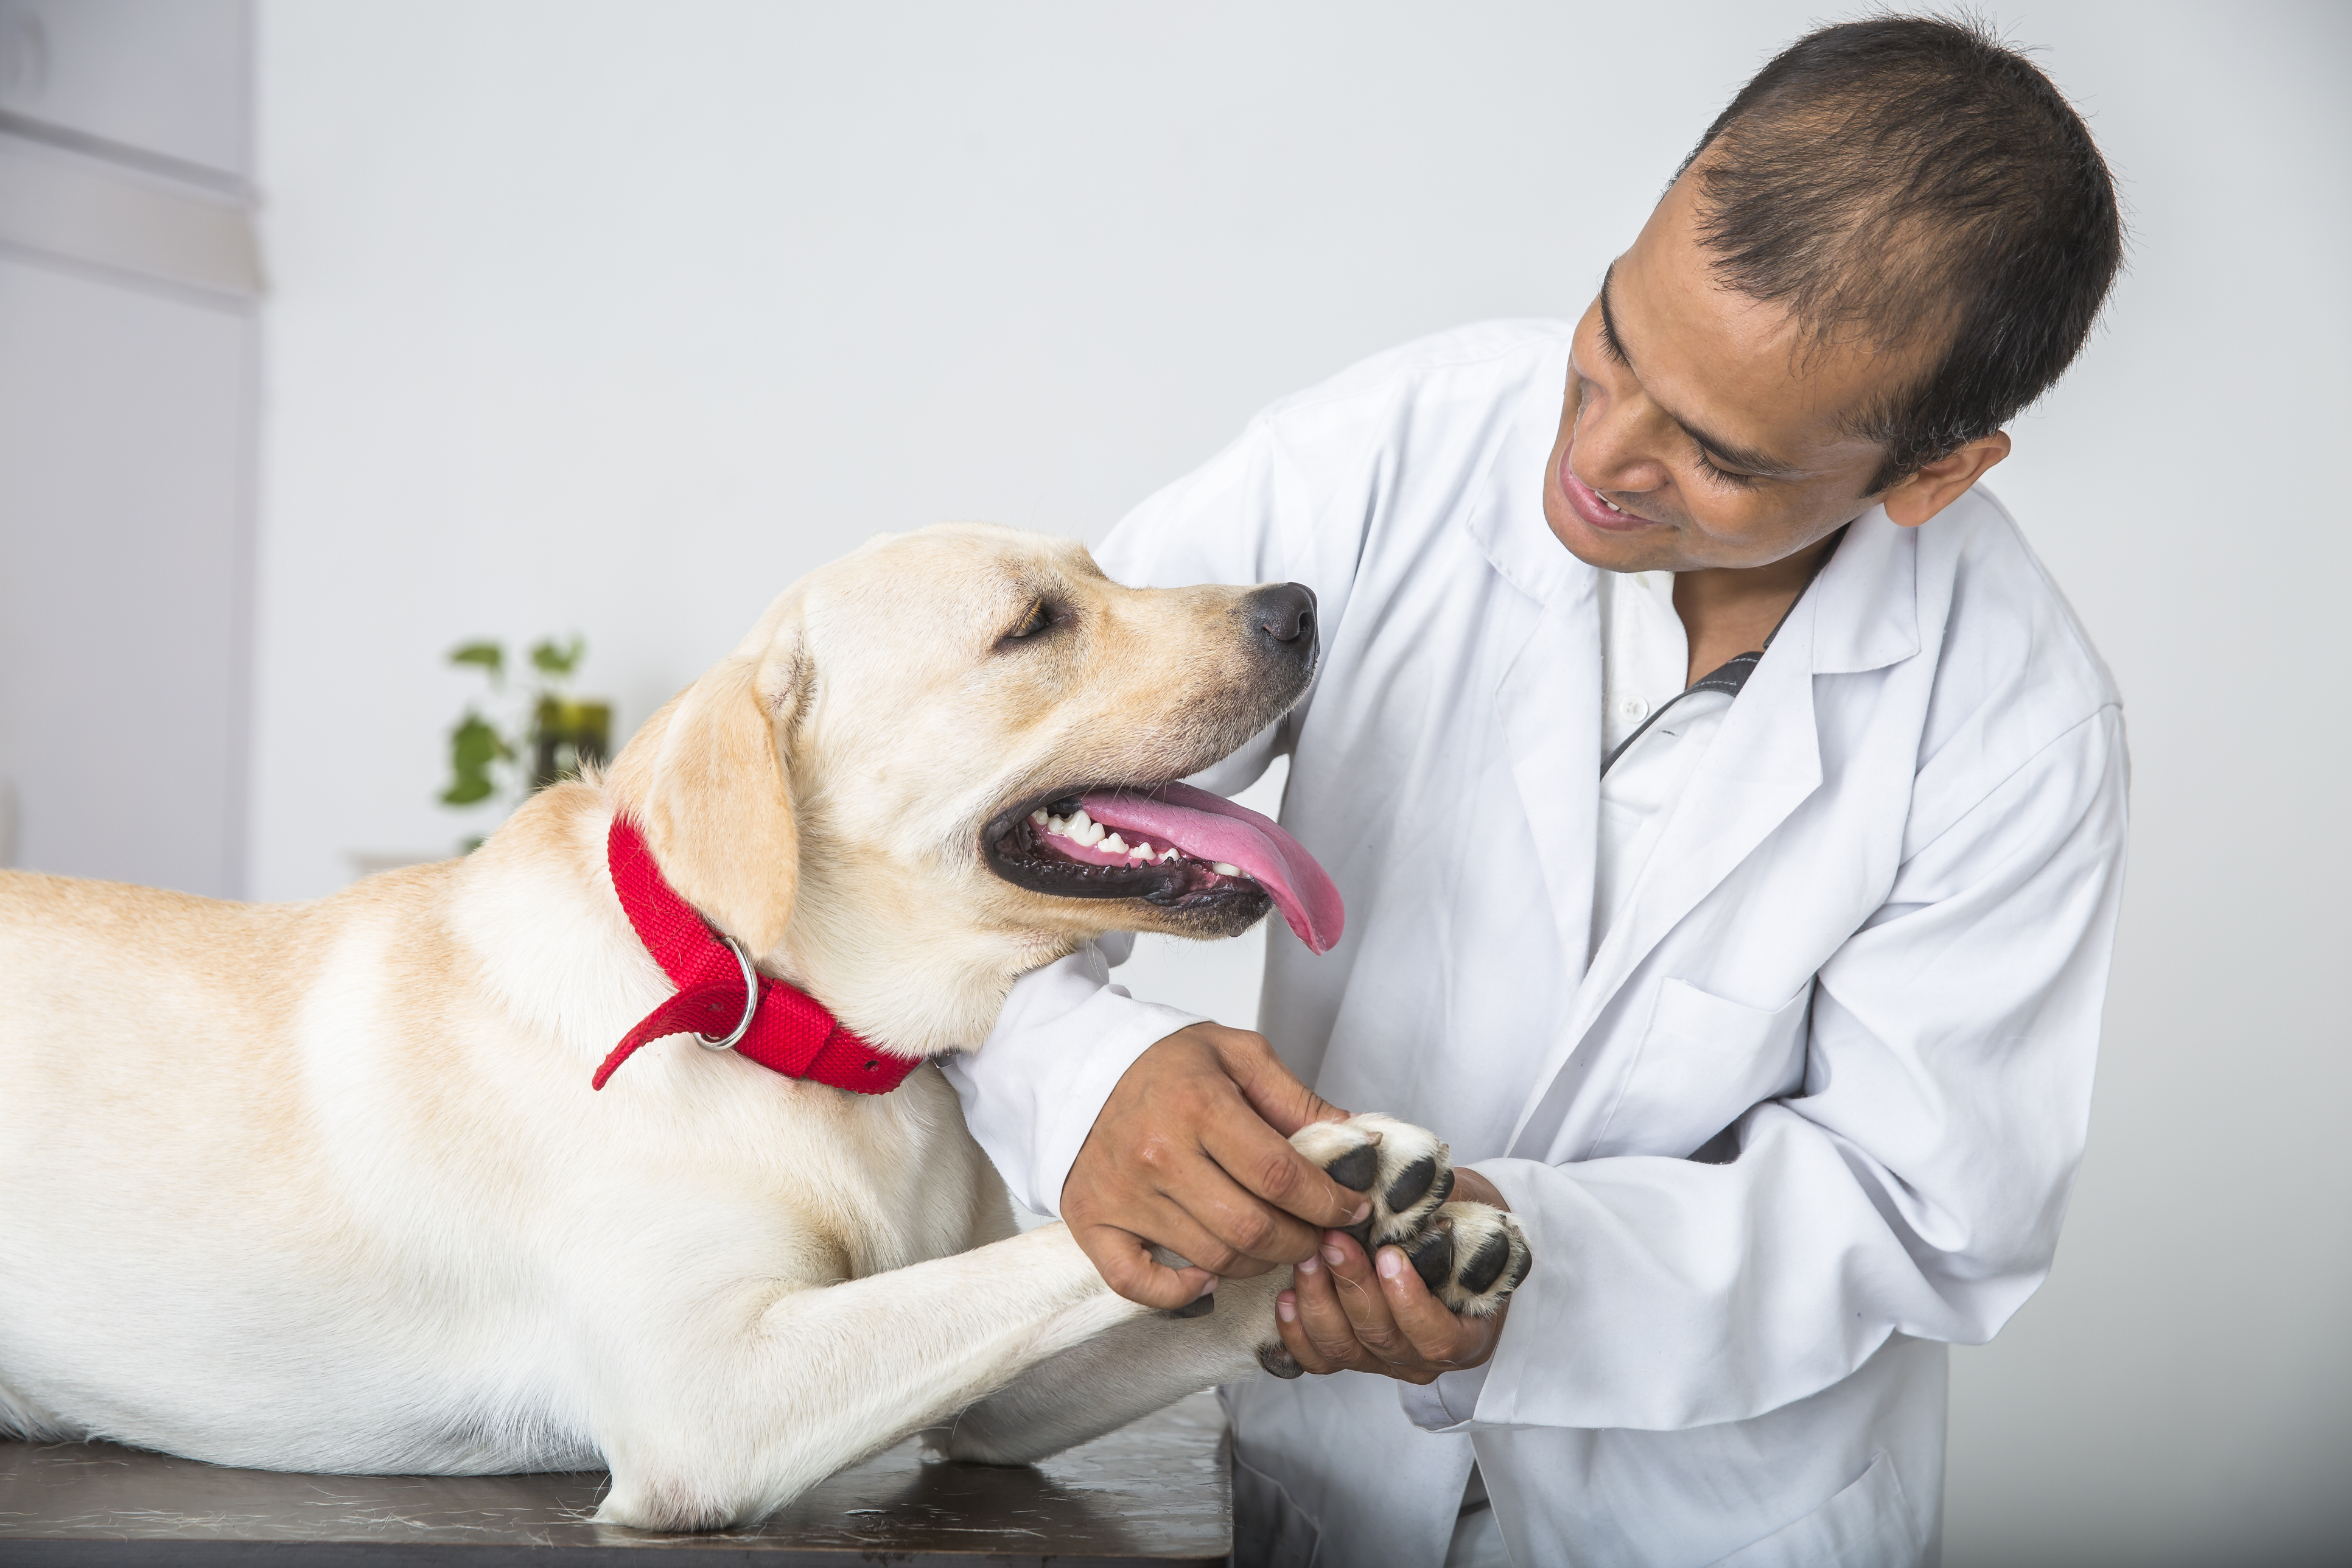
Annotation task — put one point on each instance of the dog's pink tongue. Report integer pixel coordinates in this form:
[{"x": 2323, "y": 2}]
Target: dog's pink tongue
[{"x": 1210, "y": 827}]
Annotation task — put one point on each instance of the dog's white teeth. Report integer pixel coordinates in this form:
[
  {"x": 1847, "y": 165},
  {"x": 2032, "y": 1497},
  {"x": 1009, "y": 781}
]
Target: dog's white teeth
[
  {"x": 1168, "y": 854},
  {"x": 1093, "y": 834},
  {"x": 1144, "y": 850},
  {"x": 1114, "y": 845},
  {"x": 1079, "y": 823},
  {"x": 1040, "y": 818},
  {"x": 1059, "y": 826},
  {"x": 1222, "y": 870}
]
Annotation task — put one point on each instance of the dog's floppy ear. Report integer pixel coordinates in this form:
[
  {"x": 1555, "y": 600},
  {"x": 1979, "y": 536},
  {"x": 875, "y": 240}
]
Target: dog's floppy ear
[{"x": 713, "y": 792}]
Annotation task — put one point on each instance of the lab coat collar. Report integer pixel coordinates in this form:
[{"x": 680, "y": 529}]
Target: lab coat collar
[
  {"x": 1865, "y": 603},
  {"x": 1548, "y": 705},
  {"x": 1548, "y": 702},
  {"x": 1508, "y": 520}
]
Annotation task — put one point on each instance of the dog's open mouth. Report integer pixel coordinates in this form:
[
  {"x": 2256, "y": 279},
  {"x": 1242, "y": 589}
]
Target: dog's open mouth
[{"x": 1170, "y": 845}]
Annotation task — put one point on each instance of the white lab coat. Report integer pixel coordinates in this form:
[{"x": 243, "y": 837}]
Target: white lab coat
[{"x": 1872, "y": 943}]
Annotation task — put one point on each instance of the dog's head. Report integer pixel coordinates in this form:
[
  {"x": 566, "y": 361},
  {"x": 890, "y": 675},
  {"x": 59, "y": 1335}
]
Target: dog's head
[{"x": 956, "y": 750}]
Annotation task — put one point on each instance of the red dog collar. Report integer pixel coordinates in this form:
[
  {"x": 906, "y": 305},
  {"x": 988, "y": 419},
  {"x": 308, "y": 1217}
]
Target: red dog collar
[{"x": 722, "y": 1001}]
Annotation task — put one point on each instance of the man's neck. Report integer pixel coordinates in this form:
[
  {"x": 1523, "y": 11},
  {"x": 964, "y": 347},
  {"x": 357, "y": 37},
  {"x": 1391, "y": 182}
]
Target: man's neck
[{"x": 1730, "y": 610}]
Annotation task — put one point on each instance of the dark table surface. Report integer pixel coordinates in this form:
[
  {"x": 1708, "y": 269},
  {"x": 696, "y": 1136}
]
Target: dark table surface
[{"x": 1158, "y": 1492}]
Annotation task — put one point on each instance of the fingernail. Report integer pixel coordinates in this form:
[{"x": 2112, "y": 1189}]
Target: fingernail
[
  {"x": 1334, "y": 1256},
  {"x": 1287, "y": 1310},
  {"x": 1309, "y": 1265},
  {"x": 1207, "y": 1289},
  {"x": 1392, "y": 1262},
  {"x": 1363, "y": 1212}
]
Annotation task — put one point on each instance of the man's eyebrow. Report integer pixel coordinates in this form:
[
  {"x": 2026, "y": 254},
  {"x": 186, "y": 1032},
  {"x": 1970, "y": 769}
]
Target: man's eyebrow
[{"x": 1724, "y": 453}]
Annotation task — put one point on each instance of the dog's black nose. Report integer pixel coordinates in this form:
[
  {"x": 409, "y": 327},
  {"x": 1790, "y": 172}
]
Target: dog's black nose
[{"x": 1284, "y": 612}]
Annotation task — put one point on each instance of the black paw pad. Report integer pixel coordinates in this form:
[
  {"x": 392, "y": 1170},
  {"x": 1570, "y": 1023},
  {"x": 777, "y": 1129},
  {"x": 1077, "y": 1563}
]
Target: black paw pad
[
  {"x": 1411, "y": 1184},
  {"x": 1355, "y": 1169},
  {"x": 1487, "y": 1266},
  {"x": 1432, "y": 1254}
]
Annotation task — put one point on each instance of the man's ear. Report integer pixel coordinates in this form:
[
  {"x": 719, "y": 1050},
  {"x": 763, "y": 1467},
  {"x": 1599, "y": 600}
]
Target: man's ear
[
  {"x": 1936, "y": 484},
  {"x": 714, "y": 799}
]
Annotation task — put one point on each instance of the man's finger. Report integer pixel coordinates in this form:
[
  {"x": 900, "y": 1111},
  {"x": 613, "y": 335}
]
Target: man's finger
[
  {"x": 1324, "y": 1320},
  {"x": 1293, "y": 1336},
  {"x": 1194, "y": 1192},
  {"x": 1173, "y": 1226},
  {"x": 1177, "y": 1181},
  {"x": 1272, "y": 1090},
  {"x": 1127, "y": 1266},
  {"x": 1360, "y": 1297},
  {"x": 1435, "y": 1334},
  {"x": 1262, "y": 1161}
]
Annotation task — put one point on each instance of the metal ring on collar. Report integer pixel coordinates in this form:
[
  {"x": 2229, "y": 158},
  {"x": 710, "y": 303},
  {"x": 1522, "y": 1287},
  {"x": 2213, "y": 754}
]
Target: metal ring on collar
[{"x": 751, "y": 1001}]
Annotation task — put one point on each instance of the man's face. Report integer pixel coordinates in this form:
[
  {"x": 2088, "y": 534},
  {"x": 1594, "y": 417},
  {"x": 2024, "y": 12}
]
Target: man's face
[{"x": 1701, "y": 428}]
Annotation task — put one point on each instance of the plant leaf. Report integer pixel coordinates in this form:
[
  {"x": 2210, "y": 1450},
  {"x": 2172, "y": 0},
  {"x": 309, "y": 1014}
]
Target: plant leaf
[
  {"x": 558, "y": 659},
  {"x": 490, "y": 656},
  {"x": 474, "y": 746}
]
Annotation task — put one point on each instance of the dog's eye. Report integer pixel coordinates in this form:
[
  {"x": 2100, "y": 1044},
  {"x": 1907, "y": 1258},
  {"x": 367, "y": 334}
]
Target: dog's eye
[{"x": 1038, "y": 618}]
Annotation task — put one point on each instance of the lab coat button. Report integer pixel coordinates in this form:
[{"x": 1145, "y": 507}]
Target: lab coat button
[{"x": 1632, "y": 708}]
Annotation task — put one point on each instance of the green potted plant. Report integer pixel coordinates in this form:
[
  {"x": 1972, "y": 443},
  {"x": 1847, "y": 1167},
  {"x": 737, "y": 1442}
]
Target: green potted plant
[{"x": 536, "y": 733}]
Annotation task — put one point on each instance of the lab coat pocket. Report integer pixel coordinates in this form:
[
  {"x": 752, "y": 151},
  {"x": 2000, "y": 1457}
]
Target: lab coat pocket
[
  {"x": 1867, "y": 1525},
  {"x": 1702, "y": 1063}
]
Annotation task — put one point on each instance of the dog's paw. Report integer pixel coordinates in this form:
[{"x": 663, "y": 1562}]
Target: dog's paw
[
  {"x": 1402, "y": 1168},
  {"x": 1471, "y": 1257},
  {"x": 1276, "y": 1358}
]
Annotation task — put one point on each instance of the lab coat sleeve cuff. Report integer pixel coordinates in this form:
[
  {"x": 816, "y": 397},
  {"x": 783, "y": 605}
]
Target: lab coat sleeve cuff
[
  {"x": 1448, "y": 1404},
  {"x": 1031, "y": 1091}
]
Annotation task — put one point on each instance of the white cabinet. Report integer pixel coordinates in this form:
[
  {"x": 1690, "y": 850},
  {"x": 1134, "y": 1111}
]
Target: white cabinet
[{"x": 127, "y": 419}]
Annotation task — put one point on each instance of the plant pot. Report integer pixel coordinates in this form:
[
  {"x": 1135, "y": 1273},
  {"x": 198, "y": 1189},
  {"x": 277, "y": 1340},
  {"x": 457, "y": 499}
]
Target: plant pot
[{"x": 567, "y": 737}]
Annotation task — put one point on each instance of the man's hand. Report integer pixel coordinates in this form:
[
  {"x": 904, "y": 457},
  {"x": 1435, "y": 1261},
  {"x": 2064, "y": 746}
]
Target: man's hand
[
  {"x": 1345, "y": 1312},
  {"x": 1192, "y": 1152}
]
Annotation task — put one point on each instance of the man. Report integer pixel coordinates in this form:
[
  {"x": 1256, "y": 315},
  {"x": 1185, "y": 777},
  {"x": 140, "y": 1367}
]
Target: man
[{"x": 1764, "y": 990}]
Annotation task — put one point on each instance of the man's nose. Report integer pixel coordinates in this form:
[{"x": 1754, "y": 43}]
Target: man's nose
[
  {"x": 1616, "y": 448},
  {"x": 1283, "y": 612}
]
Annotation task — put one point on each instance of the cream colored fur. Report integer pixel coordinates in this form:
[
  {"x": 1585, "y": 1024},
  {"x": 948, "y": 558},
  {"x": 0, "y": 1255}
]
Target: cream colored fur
[{"x": 323, "y": 1187}]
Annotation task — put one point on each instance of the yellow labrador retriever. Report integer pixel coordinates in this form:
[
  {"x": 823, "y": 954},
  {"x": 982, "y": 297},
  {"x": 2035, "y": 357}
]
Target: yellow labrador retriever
[{"x": 326, "y": 1186}]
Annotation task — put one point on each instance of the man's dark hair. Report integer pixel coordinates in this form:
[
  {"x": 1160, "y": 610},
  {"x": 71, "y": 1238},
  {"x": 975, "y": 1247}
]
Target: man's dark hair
[{"x": 1910, "y": 180}]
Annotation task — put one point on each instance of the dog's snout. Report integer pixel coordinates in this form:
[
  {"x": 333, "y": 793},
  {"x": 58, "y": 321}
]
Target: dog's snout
[{"x": 1285, "y": 612}]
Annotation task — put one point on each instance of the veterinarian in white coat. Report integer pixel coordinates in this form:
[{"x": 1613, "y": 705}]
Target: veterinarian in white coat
[{"x": 1778, "y": 1040}]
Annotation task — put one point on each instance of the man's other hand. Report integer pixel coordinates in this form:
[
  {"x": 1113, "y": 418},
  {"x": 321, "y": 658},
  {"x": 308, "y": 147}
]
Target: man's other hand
[
  {"x": 1192, "y": 1153},
  {"x": 1347, "y": 1312}
]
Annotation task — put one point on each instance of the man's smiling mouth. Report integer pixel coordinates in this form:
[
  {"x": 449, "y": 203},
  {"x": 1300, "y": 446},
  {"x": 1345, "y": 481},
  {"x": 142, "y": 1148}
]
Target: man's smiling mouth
[{"x": 1593, "y": 509}]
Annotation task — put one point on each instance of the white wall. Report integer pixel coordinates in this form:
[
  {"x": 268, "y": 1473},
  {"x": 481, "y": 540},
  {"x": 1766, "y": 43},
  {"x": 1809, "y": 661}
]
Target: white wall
[{"x": 618, "y": 317}]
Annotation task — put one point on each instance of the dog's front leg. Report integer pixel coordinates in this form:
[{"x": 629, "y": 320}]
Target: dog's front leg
[
  {"x": 722, "y": 1422},
  {"x": 1125, "y": 1373}
]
